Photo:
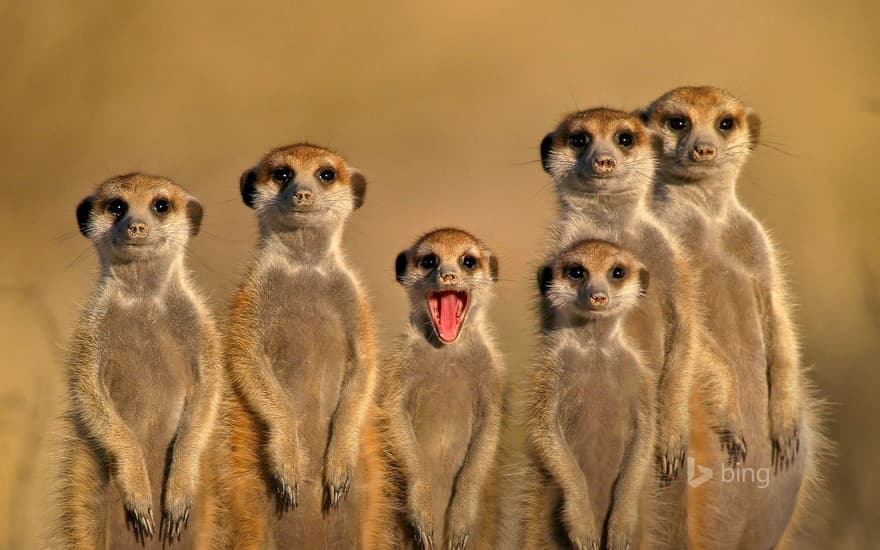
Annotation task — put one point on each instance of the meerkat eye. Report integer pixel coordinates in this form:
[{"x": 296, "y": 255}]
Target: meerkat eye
[
  {"x": 677, "y": 123},
  {"x": 618, "y": 272},
  {"x": 726, "y": 123},
  {"x": 578, "y": 141},
  {"x": 161, "y": 206},
  {"x": 327, "y": 175},
  {"x": 469, "y": 262},
  {"x": 429, "y": 262},
  {"x": 576, "y": 272},
  {"x": 117, "y": 207},
  {"x": 282, "y": 175},
  {"x": 626, "y": 139}
]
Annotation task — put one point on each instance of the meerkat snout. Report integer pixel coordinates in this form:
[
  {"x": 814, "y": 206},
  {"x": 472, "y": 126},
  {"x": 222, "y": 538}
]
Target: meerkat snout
[{"x": 604, "y": 164}]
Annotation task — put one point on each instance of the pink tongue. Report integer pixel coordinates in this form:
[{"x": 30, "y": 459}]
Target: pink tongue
[{"x": 448, "y": 322}]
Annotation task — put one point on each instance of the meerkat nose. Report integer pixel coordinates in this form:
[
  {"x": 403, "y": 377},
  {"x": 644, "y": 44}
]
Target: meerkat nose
[
  {"x": 598, "y": 299},
  {"x": 448, "y": 277},
  {"x": 704, "y": 151},
  {"x": 604, "y": 164},
  {"x": 138, "y": 230},
  {"x": 304, "y": 198}
]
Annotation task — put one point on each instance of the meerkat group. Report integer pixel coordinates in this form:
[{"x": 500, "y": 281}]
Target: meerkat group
[{"x": 666, "y": 347}]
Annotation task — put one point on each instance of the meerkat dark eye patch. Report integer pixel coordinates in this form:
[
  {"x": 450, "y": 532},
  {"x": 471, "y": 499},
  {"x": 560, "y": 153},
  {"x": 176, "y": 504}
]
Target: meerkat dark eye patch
[
  {"x": 358, "y": 188},
  {"x": 83, "y": 211},
  {"x": 282, "y": 175},
  {"x": 247, "y": 186},
  {"x": 578, "y": 140},
  {"x": 194, "y": 214},
  {"x": 117, "y": 207},
  {"x": 677, "y": 123},
  {"x": 327, "y": 175},
  {"x": 161, "y": 206},
  {"x": 575, "y": 272},
  {"x": 429, "y": 261}
]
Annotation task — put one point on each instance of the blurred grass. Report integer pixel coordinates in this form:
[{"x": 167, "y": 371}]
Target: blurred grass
[{"x": 442, "y": 106}]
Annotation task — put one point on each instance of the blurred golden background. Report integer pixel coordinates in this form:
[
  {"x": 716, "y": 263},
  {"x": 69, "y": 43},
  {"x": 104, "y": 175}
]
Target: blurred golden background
[{"x": 442, "y": 106}]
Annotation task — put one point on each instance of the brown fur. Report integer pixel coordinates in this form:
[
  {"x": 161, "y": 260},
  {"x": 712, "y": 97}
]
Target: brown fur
[
  {"x": 749, "y": 311},
  {"x": 603, "y": 183},
  {"x": 441, "y": 404},
  {"x": 301, "y": 354},
  {"x": 591, "y": 408},
  {"x": 144, "y": 380}
]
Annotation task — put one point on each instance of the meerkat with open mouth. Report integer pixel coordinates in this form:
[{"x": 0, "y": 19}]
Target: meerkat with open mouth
[{"x": 441, "y": 397}]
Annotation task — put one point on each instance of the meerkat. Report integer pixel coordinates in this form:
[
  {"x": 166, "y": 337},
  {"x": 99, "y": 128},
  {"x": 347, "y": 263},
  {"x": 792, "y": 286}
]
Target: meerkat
[
  {"x": 301, "y": 355},
  {"x": 707, "y": 135},
  {"x": 602, "y": 162},
  {"x": 591, "y": 405},
  {"x": 144, "y": 378},
  {"x": 441, "y": 397}
]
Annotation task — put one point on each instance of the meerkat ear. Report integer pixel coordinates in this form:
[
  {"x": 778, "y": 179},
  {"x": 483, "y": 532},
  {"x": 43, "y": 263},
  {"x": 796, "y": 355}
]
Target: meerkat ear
[
  {"x": 194, "y": 213},
  {"x": 656, "y": 142},
  {"x": 247, "y": 185},
  {"x": 400, "y": 266},
  {"x": 545, "y": 277},
  {"x": 644, "y": 279},
  {"x": 644, "y": 115},
  {"x": 493, "y": 267},
  {"x": 546, "y": 147},
  {"x": 83, "y": 210},
  {"x": 358, "y": 188},
  {"x": 754, "y": 122}
]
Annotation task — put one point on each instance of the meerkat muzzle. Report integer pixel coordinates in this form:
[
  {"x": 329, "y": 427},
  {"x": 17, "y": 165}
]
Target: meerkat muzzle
[{"x": 448, "y": 309}]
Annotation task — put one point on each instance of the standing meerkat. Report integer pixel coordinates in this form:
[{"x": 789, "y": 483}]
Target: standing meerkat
[
  {"x": 591, "y": 405},
  {"x": 301, "y": 355},
  {"x": 144, "y": 378},
  {"x": 707, "y": 135},
  {"x": 441, "y": 397},
  {"x": 602, "y": 162}
]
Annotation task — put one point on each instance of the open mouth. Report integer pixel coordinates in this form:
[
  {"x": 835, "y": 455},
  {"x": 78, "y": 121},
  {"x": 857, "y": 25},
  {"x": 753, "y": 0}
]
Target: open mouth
[{"x": 448, "y": 309}]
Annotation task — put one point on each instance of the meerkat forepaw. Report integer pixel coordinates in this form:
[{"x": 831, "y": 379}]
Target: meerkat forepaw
[
  {"x": 458, "y": 541},
  {"x": 337, "y": 481},
  {"x": 733, "y": 443},
  {"x": 423, "y": 536},
  {"x": 578, "y": 521},
  {"x": 140, "y": 522},
  {"x": 134, "y": 487},
  {"x": 785, "y": 446},
  {"x": 175, "y": 517},
  {"x": 620, "y": 532},
  {"x": 287, "y": 492},
  {"x": 671, "y": 459}
]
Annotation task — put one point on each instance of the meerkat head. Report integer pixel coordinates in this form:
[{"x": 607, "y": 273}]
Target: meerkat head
[
  {"x": 593, "y": 279},
  {"x": 449, "y": 275},
  {"x": 302, "y": 185},
  {"x": 599, "y": 151},
  {"x": 137, "y": 217},
  {"x": 705, "y": 132}
]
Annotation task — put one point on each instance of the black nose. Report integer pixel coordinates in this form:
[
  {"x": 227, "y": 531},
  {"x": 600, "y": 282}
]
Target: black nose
[
  {"x": 303, "y": 198},
  {"x": 598, "y": 299},
  {"x": 604, "y": 164},
  {"x": 138, "y": 230},
  {"x": 704, "y": 151}
]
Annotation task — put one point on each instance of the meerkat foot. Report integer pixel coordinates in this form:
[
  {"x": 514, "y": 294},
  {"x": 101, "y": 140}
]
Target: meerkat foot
[{"x": 786, "y": 444}]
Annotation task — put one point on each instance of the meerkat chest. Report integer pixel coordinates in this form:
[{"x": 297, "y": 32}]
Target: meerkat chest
[
  {"x": 444, "y": 404},
  {"x": 148, "y": 363},
  {"x": 309, "y": 320}
]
